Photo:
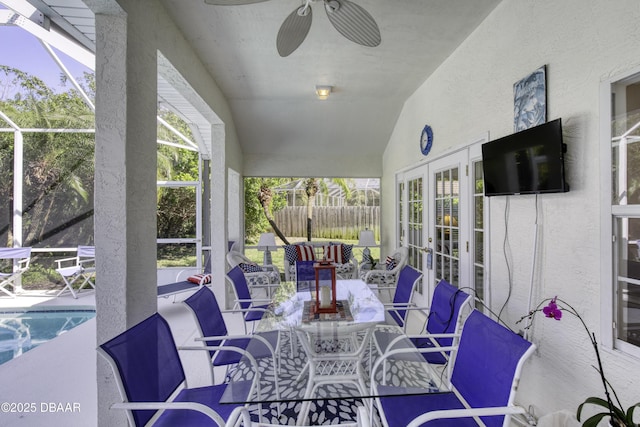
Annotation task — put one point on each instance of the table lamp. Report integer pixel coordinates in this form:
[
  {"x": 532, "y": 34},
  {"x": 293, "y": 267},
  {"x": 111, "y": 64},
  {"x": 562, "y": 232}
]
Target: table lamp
[
  {"x": 367, "y": 239},
  {"x": 267, "y": 243}
]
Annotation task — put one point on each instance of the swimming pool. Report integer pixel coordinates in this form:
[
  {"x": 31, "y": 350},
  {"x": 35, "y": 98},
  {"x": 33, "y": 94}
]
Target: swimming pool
[{"x": 22, "y": 329}]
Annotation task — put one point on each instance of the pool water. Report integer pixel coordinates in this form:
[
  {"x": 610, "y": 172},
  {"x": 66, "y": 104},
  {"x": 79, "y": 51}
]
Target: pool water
[{"x": 22, "y": 329}]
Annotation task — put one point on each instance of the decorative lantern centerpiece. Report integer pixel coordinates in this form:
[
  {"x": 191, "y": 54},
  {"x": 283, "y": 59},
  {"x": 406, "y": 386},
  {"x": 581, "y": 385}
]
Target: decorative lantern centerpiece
[{"x": 325, "y": 287}]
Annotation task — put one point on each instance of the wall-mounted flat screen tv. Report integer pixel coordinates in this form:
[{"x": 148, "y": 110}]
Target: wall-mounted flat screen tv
[{"x": 527, "y": 162}]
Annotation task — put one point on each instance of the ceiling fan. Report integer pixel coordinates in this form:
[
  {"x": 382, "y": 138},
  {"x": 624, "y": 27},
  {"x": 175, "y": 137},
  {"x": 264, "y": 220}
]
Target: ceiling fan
[{"x": 351, "y": 20}]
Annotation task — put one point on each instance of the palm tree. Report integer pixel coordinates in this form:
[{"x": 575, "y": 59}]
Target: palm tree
[
  {"x": 265, "y": 196},
  {"x": 311, "y": 188}
]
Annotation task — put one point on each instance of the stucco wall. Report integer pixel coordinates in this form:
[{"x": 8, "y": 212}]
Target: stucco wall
[{"x": 582, "y": 42}]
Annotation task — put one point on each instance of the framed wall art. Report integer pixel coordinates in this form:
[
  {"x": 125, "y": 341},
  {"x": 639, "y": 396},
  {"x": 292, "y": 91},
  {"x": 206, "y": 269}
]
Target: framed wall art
[{"x": 530, "y": 100}]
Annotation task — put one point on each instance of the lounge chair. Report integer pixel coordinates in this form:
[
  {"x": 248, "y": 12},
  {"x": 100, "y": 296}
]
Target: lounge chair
[
  {"x": 193, "y": 283},
  {"x": 19, "y": 259},
  {"x": 80, "y": 268}
]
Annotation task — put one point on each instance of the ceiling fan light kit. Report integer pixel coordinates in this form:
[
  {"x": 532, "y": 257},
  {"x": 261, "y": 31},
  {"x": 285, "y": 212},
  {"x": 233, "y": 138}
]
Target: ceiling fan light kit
[{"x": 349, "y": 19}]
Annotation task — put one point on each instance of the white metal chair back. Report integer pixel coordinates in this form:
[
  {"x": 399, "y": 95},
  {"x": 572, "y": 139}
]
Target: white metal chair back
[{"x": 19, "y": 260}]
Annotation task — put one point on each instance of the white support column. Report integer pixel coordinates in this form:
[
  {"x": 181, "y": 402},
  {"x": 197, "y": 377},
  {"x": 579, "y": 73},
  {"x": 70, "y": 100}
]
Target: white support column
[
  {"x": 218, "y": 212},
  {"x": 125, "y": 190},
  {"x": 18, "y": 180}
]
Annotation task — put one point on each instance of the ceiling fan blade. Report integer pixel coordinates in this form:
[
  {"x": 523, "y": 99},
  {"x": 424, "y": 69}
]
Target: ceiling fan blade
[
  {"x": 294, "y": 29},
  {"x": 231, "y": 2},
  {"x": 353, "y": 22}
]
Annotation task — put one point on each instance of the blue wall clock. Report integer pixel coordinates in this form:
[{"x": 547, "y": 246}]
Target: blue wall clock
[{"x": 426, "y": 140}]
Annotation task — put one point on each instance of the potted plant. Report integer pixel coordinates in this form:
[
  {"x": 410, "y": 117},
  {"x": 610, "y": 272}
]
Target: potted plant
[{"x": 618, "y": 416}]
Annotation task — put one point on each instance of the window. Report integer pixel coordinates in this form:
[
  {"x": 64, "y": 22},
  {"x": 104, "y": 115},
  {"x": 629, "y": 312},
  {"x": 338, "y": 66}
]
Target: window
[{"x": 624, "y": 146}]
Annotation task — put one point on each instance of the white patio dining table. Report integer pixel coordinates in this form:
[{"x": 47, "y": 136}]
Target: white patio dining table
[{"x": 362, "y": 310}]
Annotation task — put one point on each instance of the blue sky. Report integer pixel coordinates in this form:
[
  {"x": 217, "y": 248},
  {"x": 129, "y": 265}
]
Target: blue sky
[{"x": 21, "y": 50}]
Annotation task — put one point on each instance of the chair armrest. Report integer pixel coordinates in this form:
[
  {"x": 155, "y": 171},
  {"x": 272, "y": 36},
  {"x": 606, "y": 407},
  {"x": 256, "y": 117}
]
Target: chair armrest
[
  {"x": 391, "y": 353},
  {"x": 263, "y": 274},
  {"x": 258, "y": 337},
  {"x": 245, "y": 310},
  {"x": 400, "y": 305},
  {"x": 465, "y": 413},
  {"x": 67, "y": 260},
  {"x": 232, "y": 349},
  {"x": 87, "y": 261},
  {"x": 254, "y": 301},
  {"x": 376, "y": 272},
  {"x": 270, "y": 267},
  {"x": 190, "y": 406},
  {"x": 402, "y": 337}
]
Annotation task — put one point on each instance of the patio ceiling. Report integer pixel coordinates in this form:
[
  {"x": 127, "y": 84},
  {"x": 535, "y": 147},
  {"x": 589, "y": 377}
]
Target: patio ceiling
[{"x": 272, "y": 98}]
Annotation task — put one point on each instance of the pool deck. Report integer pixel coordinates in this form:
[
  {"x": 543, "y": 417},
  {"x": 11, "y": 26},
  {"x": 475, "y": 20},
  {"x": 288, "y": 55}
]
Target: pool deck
[{"x": 57, "y": 382}]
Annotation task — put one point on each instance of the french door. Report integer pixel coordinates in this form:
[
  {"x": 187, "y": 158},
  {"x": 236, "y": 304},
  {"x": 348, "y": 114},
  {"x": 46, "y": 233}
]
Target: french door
[
  {"x": 441, "y": 219},
  {"x": 447, "y": 221}
]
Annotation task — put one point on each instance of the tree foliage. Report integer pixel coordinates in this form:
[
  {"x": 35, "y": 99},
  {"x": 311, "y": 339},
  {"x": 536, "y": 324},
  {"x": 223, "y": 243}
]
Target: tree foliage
[
  {"x": 176, "y": 205},
  {"x": 59, "y": 169},
  {"x": 256, "y": 222},
  {"x": 58, "y": 166}
]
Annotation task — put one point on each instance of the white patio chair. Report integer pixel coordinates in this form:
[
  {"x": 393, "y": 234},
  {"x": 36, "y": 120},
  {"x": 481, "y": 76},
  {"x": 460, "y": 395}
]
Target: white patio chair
[
  {"x": 383, "y": 278},
  {"x": 19, "y": 259},
  {"x": 258, "y": 276},
  {"x": 80, "y": 268},
  {"x": 335, "y": 354}
]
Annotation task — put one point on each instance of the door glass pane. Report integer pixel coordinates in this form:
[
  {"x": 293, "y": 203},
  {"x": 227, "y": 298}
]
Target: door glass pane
[
  {"x": 478, "y": 234},
  {"x": 446, "y": 225},
  {"x": 415, "y": 211}
]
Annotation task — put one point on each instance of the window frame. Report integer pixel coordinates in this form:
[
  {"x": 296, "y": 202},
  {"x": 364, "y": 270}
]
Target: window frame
[{"x": 610, "y": 213}]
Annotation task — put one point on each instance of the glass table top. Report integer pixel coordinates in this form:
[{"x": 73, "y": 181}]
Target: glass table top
[{"x": 334, "y": 358}]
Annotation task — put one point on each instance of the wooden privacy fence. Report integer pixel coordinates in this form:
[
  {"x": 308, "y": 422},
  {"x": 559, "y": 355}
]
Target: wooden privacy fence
[{"x": 330, "y": 222}]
